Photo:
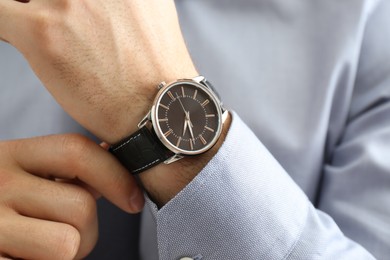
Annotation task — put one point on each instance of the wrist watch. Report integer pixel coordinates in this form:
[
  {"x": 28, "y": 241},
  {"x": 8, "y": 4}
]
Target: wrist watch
[{"x": 186, "y": 119}]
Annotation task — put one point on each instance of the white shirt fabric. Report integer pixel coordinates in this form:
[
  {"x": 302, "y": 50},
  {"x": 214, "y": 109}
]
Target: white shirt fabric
[{"x": 304, "y": 172}]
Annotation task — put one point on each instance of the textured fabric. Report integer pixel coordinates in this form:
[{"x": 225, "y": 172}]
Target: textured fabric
[
  {"x": 311, "y": 79},
  {"x": 245, "y": 206}
]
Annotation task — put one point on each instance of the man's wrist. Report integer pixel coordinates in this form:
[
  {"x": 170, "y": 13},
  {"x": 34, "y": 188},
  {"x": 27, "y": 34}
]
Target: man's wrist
[
  {"x": 126, "y": 120},
  {"x": 164, "y": 181}
]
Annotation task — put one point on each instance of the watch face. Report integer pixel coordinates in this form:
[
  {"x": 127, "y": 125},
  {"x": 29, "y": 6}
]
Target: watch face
[{"x": 187, "y": 117}]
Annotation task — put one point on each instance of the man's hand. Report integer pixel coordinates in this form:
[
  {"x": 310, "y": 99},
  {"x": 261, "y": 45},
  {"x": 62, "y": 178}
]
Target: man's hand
[
  {"x": 101, "y": 60},
  {"x": 47, "y": 189}
]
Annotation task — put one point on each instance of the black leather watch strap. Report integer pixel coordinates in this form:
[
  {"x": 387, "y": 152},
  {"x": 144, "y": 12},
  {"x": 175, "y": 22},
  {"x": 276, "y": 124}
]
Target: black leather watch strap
[
  {"x": 140, "y": 151},
  {"x": 143, "y": 149}
]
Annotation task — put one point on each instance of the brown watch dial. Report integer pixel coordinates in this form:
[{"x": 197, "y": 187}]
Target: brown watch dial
[{"x": 188, "y": 118}]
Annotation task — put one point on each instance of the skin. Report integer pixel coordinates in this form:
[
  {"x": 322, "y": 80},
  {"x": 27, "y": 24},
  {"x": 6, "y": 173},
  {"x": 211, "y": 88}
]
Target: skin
[
  {"x": 48, "y": 190},
  {"x": 101, "y": 60}
]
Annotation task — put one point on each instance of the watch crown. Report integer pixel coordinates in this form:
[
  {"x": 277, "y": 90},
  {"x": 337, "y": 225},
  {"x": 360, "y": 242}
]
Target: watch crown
[{"x": 161, "y": 85}]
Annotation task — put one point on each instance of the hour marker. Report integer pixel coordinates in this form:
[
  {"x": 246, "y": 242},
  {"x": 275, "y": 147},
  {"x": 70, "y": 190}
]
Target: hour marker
[
  {"x": 210, "y": 129},
  {"x": 210, "y": 115},
  {"x": 178, "y": 142},
  {"x": 204, "y": 142},
  {"x": 163, "y": 120},
  {"x": 170, "y": 131},
  {"x": 196, "y": 93},
  {"x": 164, "y": 106},
  {"x": 205, "y": 103},
  {"x": 182, "y": 91},
  {"x": 171, "y": 95},
  {"x": 191, "y": 145}
]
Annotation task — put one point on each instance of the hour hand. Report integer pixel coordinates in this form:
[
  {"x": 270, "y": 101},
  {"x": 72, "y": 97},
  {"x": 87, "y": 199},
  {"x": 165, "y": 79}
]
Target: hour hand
[{"x": 189, "y": 119}]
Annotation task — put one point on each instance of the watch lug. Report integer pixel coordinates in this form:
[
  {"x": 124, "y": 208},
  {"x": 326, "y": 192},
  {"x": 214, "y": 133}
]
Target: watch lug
[
  {"x": 174, "y": 158},
  {"x": 144, "y": 120},
  {"x": 161, "y": 85},
  {"x": 225, "y": 114},
  {"x": 198, "y": 79}
]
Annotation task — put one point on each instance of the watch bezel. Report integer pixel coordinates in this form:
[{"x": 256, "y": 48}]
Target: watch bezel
[{"x": 156, "y": 125}]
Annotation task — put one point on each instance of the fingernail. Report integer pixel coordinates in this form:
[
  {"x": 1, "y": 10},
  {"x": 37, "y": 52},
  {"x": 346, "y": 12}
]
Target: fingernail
[{"x": 137, "y": 202}]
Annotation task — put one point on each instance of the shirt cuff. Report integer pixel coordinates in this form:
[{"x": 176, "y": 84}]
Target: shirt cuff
[{"x": 242, "y": 205}]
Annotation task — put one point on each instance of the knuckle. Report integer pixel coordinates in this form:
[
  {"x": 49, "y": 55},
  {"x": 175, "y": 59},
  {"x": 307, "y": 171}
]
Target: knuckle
[
  {"x": 6, "y": 215},
  {"x": 68, "y": 243},
  {"x": 86, "y": 210},
  {"x": 41, "y": 22},
  {"x": 42, "y": 30},
  {"x": 119, "y": 182},
  {"x": 7, "y": 176},
  {"x": 88, "y": 242},
  {"x": 75, "y": 149},
  {"x": 46, "y": 28}
]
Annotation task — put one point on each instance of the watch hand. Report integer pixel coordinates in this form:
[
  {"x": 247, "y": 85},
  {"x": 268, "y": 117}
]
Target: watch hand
[
  {"x": 190, "y": 124},
  {"x": 192, "y": 133},
  {"x": 185, "y": 126},
  {"x": 185, "y": 112},
  {"x": 189, "y": 119}
]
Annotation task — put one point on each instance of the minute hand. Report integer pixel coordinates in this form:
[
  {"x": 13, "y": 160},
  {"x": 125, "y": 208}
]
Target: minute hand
[
  {"x": 185, "y": 112},
  {"x": 185, "y": 126},
  {"x": 191, "y": 132},
  {"x": 190, "y": 125}
]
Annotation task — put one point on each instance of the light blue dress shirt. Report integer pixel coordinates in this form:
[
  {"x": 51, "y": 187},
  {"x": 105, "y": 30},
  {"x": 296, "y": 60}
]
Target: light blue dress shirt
[
  {"x": 312, "y": 81},
  {"x": 304, "y": 172}
]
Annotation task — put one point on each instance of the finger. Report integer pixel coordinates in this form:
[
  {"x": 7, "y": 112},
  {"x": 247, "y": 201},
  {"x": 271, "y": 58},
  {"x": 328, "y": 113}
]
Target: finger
[
  {"x": 83, "y": 185},
  {"x": 76, "y": 157},
  {"x": 59, "y": 202},
  {"x": 11, "y": 14},
  {"x": 29, "y": 238}
]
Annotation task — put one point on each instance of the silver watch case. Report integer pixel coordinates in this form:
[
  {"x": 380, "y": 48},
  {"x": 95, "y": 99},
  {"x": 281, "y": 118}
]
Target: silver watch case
[{"x": 151, "y": 116}]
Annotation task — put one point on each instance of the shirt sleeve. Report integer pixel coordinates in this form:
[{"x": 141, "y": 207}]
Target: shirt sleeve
[
  {"x": 356, "y": 181},
  {"x": 243, "y": 205}
]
